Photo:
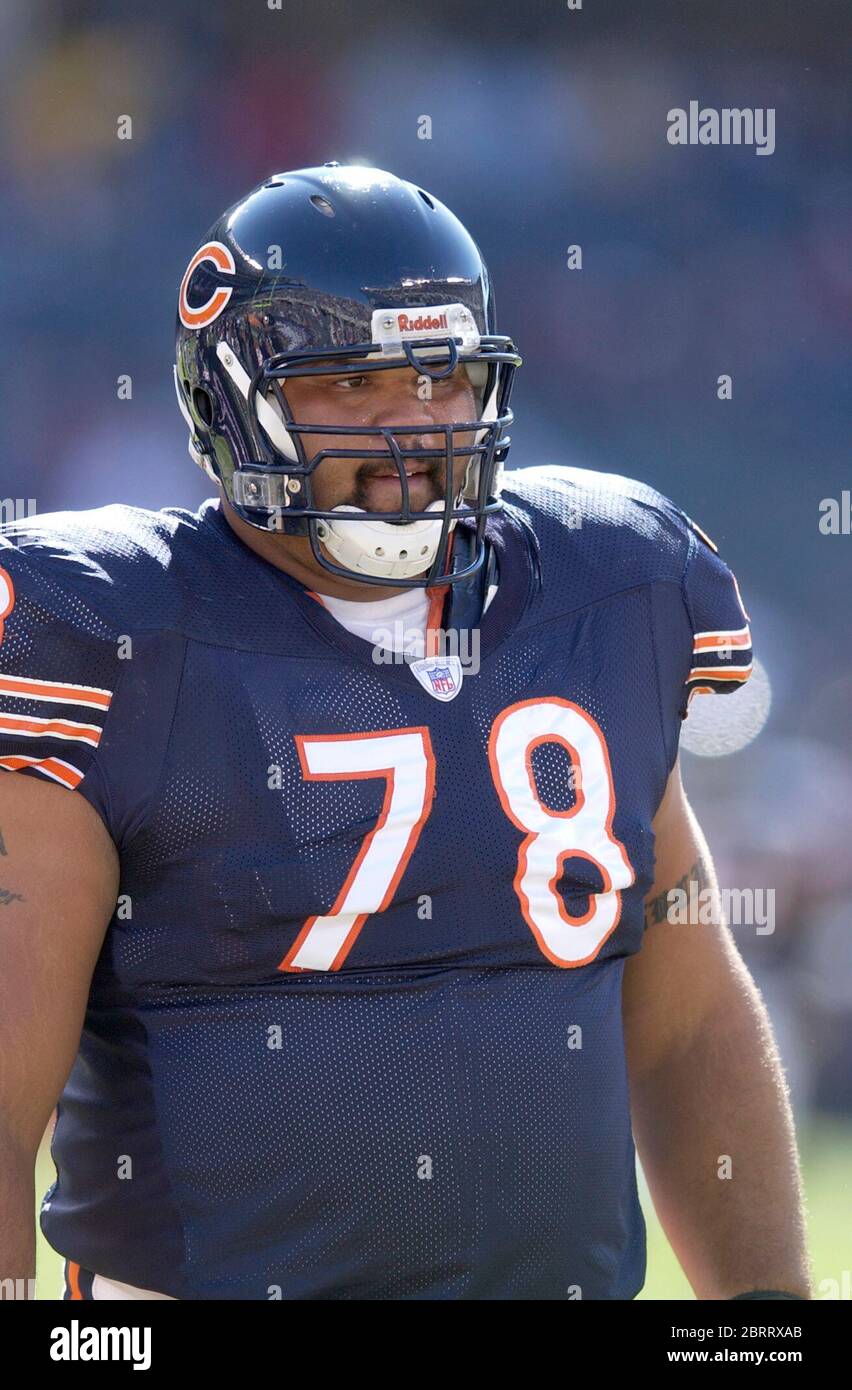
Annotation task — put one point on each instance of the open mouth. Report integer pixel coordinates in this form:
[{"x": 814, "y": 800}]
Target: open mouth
[
  {"x": 412, "y": 470},
  {"x": 382, "y": 491}
]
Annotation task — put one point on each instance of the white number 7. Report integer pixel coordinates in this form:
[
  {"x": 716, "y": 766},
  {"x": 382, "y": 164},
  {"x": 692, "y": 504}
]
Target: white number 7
[{"x": 404, "y": 758}]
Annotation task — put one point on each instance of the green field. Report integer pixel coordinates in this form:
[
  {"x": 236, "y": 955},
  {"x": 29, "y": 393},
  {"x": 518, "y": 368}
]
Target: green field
[{"x": 826, "y": 1149}]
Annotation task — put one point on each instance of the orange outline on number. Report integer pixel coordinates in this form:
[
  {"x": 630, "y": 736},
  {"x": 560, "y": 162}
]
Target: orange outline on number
[
  {"x": 4, "y": 574},
  {"x": 531, "y": 835},
  {"x": 411, "y": 843}
]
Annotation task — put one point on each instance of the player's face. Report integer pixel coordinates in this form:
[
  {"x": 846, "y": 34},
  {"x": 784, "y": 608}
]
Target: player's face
[{"x": 396, "y": 396}]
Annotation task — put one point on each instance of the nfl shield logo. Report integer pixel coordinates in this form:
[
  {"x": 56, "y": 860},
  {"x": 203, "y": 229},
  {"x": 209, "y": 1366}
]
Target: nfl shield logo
[
  {"x": 442, "y": 681},
  {"x": 441, "y": 676}
]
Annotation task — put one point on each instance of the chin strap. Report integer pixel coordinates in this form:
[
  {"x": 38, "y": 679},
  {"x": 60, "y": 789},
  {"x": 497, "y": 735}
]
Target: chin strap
[{"x": 466, "y": 601}]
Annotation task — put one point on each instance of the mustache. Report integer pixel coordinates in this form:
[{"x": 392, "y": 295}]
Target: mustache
[{"x": 432, "y": 471}]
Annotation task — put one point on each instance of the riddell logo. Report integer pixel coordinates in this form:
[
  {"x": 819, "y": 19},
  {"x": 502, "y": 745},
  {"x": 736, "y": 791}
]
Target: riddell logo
[{"x": 407, "y": 325}]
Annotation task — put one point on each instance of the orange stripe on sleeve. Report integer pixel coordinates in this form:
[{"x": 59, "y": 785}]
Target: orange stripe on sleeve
[
  {"x": 54, "y": 768},
  {"x": 716, "y": 673},
  {"x": 712, "y": 640},
  {"x": 29, "y": 689},
  {"x": 50, "y": 728}
]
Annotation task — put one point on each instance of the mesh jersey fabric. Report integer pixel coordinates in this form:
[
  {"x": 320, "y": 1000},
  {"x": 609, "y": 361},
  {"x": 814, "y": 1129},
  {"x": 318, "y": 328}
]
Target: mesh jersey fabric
[{"x": 438, "y": 1106}]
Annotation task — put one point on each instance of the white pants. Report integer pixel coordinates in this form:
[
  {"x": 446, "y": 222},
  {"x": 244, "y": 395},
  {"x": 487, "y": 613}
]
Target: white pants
[{"x": 111, "y": 1289}]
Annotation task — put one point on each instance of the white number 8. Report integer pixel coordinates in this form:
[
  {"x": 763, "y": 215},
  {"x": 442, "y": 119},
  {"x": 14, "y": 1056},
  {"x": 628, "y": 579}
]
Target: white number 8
[{"x": 584, "y": 832}]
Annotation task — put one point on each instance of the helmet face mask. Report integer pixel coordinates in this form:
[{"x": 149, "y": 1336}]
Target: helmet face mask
[{"x": 234, "y": 367}]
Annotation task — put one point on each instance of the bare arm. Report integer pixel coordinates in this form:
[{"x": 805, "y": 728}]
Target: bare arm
[
  {"x": 58, "y": 887},
  {"x": 708, "y": 1093}
]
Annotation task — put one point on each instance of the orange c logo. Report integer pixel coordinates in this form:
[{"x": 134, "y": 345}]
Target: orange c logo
[{"x": 199, "y": 318}]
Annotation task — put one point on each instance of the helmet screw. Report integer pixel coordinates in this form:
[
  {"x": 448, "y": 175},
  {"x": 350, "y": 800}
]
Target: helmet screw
[
  {"x": 294, "y": 485},
  {"x": 321, "y": 531},
  {"x": 228, "y": 360},
  {"x": 387, "y": 323}
]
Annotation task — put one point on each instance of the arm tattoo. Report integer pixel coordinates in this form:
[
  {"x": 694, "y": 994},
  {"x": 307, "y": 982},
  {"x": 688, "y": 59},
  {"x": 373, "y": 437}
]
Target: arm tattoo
[{"x": 657, "y": 908}]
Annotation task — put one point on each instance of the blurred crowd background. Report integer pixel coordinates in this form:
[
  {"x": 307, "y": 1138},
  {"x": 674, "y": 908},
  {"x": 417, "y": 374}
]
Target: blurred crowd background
[{"x": 548, "y": 128}]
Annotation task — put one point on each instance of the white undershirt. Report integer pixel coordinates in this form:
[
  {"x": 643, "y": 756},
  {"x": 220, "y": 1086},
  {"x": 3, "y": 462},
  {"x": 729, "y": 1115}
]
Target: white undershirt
[{"x": 396, "y": 624}]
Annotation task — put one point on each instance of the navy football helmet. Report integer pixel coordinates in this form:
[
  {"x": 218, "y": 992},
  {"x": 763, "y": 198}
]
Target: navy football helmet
[{"x": 343, "y": 264}]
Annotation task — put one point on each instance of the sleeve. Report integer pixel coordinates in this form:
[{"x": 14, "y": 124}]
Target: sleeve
[
  {"x": 721, "y": 639},
  {"x": 59, "y": 670}
]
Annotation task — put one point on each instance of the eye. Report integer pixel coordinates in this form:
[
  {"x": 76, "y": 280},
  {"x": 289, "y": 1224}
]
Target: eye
[{"x": 351, "y": 382}]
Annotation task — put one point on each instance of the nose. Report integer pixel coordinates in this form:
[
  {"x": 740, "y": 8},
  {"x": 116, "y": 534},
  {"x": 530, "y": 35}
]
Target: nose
[{"x": 412, "y": 406}]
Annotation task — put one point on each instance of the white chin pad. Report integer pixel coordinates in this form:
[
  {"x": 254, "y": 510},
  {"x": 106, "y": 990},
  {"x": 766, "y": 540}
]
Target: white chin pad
[{"x": 381, "y": 548}]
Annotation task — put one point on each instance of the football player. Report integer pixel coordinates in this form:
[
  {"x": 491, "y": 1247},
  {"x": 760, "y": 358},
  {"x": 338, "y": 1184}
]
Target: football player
[{"x": 341, "y": 938}]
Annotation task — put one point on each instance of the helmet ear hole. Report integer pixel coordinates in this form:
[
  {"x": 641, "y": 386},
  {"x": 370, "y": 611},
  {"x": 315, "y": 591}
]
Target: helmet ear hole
[{"x": 203, "y": 403}]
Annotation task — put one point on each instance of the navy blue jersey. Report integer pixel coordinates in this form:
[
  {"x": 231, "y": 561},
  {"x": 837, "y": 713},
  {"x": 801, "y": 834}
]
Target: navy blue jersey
[{"x": 355, "y": 1030}]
